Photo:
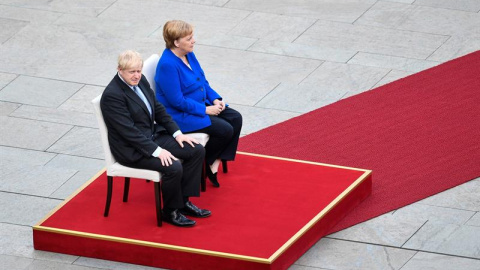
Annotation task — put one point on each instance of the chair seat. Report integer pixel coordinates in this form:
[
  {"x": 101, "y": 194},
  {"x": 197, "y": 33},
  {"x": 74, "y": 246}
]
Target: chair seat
[
  {"x": 202, "y": 138},
  {"x": 117, "y": 169}
]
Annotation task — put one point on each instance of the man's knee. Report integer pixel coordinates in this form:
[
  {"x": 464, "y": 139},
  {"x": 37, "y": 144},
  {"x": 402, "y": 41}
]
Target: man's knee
[
  {"x": 175, "y": 170},
  {"x": 198, "y": 150}
]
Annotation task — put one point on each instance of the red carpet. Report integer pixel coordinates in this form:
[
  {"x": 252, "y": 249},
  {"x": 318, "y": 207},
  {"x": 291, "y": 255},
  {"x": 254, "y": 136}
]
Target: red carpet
[{"x": 419, "y": 135}]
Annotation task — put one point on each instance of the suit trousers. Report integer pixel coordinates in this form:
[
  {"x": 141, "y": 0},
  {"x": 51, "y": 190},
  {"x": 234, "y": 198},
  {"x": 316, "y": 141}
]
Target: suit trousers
[
  {"x": 182, "y": 178},
  {"x": 224, "y": 135}
]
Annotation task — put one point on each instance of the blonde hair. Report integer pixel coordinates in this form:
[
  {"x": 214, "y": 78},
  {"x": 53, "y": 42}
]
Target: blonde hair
[
  {"x": 129, "y": 59},
  {"x": 175, "y": 29}
]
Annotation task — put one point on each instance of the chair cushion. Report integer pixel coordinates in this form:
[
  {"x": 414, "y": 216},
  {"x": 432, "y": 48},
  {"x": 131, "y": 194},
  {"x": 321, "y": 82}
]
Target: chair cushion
[{"x": 119, "y": 170}]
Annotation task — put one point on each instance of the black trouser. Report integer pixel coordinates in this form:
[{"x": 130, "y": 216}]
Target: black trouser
[
  {"x": 182, "y": 178},
  {"x": 224, "y": 135}
]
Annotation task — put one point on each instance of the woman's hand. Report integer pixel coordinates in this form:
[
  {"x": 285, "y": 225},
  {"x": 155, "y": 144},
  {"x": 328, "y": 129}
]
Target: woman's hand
[
  {"x": 219, "y": 102},
  {"x": 213, "y": 109}
]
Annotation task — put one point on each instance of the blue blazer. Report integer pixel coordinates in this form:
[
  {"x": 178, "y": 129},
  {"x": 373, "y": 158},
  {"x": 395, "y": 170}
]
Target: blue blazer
[{"x": 184, "y": 92}]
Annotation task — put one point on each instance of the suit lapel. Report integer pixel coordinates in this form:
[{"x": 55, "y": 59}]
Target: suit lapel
[{"x": 133, "y": 96}]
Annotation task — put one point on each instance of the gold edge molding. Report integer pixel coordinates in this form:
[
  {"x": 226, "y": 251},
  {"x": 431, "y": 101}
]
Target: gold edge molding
[
  {"x": 320, "y": 215},
  {"x": 151, "y": 244},
  {"x": 70, "y": 197},
  {"x": 302, "y": 161}
]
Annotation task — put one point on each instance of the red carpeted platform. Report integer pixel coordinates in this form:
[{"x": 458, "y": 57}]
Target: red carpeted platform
[{"x": 267, "y": 213}]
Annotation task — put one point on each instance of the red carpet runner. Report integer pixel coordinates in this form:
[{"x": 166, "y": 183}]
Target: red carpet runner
[{"x": 420, "y": 135}]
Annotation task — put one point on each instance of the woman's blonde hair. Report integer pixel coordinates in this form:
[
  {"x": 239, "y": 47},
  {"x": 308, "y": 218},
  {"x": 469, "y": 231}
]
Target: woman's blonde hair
[
  {"x": 175, "y": 29},
  {"x": 129, "y": 59}
]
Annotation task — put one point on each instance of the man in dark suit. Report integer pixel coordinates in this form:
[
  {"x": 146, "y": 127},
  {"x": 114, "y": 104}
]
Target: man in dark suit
[{"x": 143, "y": 135}]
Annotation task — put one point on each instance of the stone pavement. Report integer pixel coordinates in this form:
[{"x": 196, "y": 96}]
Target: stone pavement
[{"x": 272, "y": 60}]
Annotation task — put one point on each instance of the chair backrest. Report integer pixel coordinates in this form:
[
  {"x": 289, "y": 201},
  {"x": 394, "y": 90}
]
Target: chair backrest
[
  {"x": 149, "y": 70},
  {"x": 109, "y": 159}
]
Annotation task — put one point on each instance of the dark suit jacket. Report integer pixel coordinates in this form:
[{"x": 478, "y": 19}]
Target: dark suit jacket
[{"x": 131, "y": 130}]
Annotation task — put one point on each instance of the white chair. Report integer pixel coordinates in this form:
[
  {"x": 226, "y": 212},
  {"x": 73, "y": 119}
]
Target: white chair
[
  {"x": 149, "y": 70},
  {"x": 115, "y": 169}
]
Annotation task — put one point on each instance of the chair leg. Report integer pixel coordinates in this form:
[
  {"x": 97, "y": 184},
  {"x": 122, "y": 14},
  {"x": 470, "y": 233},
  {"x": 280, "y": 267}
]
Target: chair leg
[
  {"x": 158, "y": 203},
  {"x": 203, "y": 180},
  {"x": 109, "y": 195},
  {"x": 224, "y": 166},
  {"x": 126, "y": 188}
]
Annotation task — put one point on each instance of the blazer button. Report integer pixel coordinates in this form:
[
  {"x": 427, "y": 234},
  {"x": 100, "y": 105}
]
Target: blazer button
[{"x": 198, "y": 79}]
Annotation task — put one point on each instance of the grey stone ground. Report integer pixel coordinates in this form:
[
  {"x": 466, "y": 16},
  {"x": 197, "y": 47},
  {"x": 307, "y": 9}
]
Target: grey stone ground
[{"x": 272, "y": 60}]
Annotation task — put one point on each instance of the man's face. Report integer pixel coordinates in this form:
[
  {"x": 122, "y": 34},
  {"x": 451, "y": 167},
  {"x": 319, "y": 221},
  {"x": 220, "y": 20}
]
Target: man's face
[{"x": 131, "y": 75}]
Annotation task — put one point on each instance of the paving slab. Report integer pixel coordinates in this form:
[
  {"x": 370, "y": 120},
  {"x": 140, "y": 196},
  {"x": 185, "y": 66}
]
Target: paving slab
[
  {"x": 31, "y": 90},
  {"x": 463, "y": 197},
  {"x": 36, "y": 180},
  {"x": 422, "y": 19},
  {"x": 23, "y": 209},
  {"x": 474, "y": 221},
  {"x": 353, "y": 79},
  {"x": 372, "y": 39},
  {"x": 455, "y": 47},
  {"x": 10, "y": 27},
  {"x": 392, "y": 76},
  {"x": 7, "y": 108},
  {"x": 83, "y": 142},
  {"x": 433, "y": 214},
  {"x": 210, "y": 19},
  {"x": 17, "y": 240},
  {"x": 85, "y": 168},
  {"x": 391, "y": 62},
  {"x": 30, "y": 134},
  {"x": 339, "y": 254},
  {"x": 11, "y": 155},
  {"x": 302, "y": 51},
  {"x": 81, "y": 101},
  {"x": 466, "y": 5},
  {"x": 319, "y": 9},
  {"x": 460, "y": 240},
  {"x": 103, "y": 264},
  {"x": 253, "y": 75},
  {"x": 93, "y": 58},
  {"x": 430, "y": 261},
  {"x": 260, "y": 118},
  {"x": 87, "y": 8},
  {"x": 14, "y": 262},
  {"x": 55, "y": 116},
  {"x": 274, "y": 27},
  {"x": 383, "y": 230},
  {"x": 32, "y": 16},
  {"x": 312, "y": 96}
]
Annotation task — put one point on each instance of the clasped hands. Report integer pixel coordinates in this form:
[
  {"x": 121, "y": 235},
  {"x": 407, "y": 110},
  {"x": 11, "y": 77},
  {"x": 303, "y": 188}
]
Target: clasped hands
[
  {"x": 217, "y": 107},
  {"x": 167, "y": 158}
]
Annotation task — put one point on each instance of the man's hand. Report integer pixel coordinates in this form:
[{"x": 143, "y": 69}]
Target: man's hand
[
  {"x": 185, "y": 138},
  {"x": 166, "y": 157}
]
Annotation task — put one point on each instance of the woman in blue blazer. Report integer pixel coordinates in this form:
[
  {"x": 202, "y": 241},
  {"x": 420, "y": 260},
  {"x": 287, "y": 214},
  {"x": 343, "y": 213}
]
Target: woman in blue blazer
[{"x": 183, "y": 89}]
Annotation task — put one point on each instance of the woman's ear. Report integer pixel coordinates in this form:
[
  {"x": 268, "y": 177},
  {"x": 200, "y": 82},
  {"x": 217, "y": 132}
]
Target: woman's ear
[{"x": 175, "y": 42}]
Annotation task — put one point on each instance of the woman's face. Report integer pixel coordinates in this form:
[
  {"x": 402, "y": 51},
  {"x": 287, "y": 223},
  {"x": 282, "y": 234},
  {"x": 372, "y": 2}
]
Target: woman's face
[{"x": 185, "y": 44}]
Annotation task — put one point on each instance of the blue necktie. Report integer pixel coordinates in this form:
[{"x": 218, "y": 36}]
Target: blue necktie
[{"x": 140, "y": 94}]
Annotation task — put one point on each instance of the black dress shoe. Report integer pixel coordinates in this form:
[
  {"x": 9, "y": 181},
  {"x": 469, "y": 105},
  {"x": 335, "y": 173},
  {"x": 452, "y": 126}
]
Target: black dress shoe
[
  {"x": 191, "y": 210},
  {"x": 176, "y": 218},
  {"x": 212, "y": 177}
]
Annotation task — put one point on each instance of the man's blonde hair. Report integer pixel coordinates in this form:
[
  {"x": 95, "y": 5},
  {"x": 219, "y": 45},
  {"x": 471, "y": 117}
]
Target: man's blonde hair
[
  {"x": 129, "y": 59},
  {"x": 175, "y": 29}
]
